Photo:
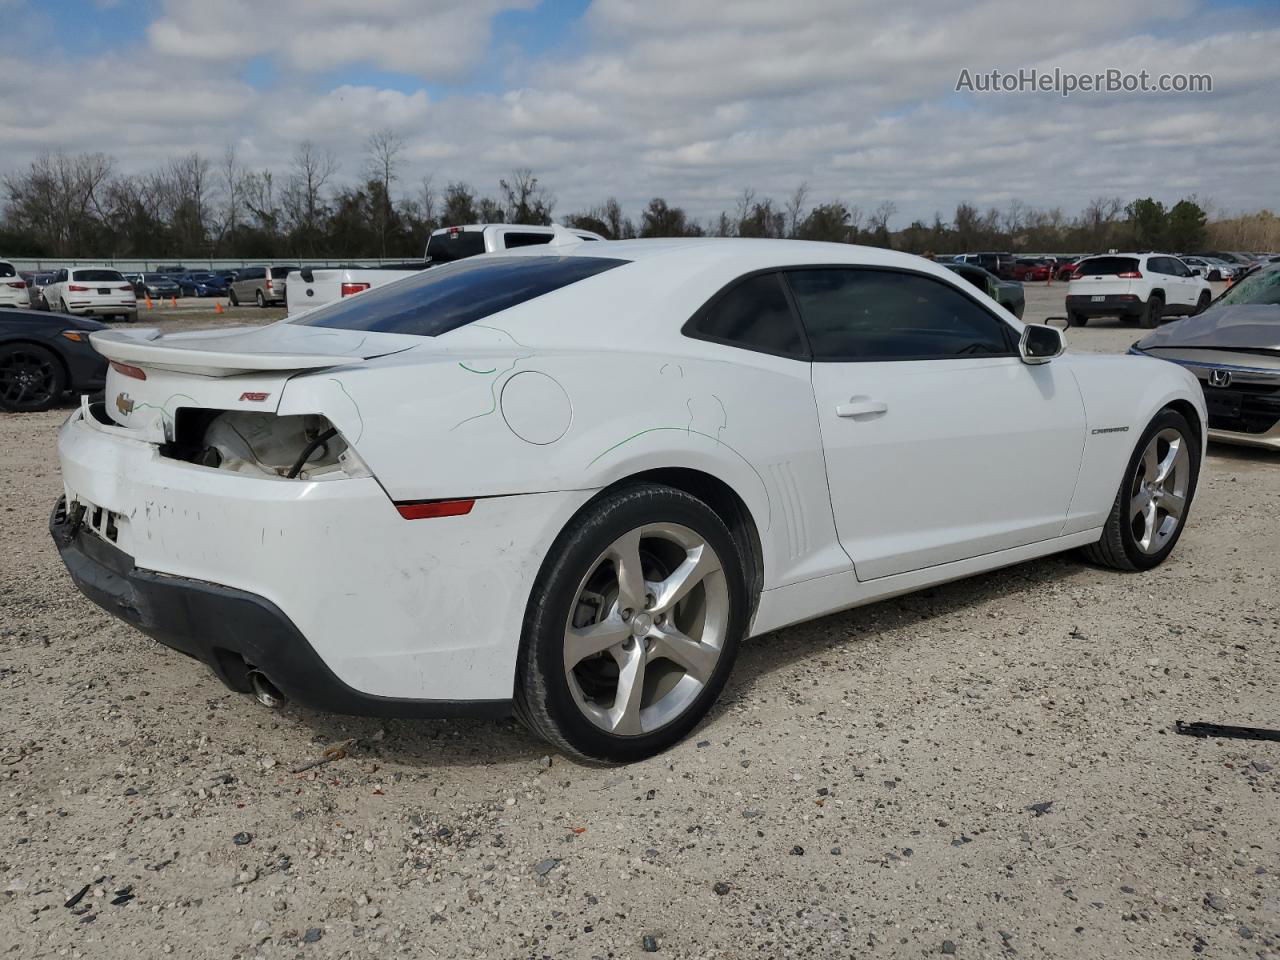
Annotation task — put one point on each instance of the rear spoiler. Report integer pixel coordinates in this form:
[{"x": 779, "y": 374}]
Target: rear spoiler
[{"x": 141, "y": 348}]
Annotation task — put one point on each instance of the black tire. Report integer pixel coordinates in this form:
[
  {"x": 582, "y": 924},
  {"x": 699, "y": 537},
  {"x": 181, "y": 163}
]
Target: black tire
[
  {"x": 1214, "y": 275},
  {"x": 62, "y": 306},
  {"x": 231, "y": 296},
  {"x": 544, "y": 701},
  {"x": 1152, "y": 312},
  {"x": 262, "y": 300},
  {"x": 1077, "y": 319},
  {"x": 31, "y": 378},
  {"x": 1203, "y": 303},
  {"x": 1118, "y": 548}
]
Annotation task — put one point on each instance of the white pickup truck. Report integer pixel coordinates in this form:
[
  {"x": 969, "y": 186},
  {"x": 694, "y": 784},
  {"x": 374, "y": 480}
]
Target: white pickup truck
[{"x": 309, "y": 288}]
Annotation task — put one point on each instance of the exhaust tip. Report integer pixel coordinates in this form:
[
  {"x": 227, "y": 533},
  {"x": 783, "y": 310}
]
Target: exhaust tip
[{"x": 264, "y": 691}]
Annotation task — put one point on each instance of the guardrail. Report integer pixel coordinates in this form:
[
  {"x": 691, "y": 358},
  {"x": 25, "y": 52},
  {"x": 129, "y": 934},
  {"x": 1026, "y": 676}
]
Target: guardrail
[{"x": 144, "y": 265}]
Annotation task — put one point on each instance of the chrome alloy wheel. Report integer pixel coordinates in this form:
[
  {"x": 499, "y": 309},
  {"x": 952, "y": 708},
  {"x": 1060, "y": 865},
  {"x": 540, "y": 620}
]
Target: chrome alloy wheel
[
  {"x": 1158, "y": 498},
  {"x": 646, "y": 629}
]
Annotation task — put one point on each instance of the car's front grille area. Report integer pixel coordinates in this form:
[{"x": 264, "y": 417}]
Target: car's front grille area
[{"x": 1244, "y": 407}]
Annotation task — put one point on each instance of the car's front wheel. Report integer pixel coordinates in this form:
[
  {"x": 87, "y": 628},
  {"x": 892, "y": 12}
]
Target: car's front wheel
[
  {"x": 633, "y": 625},
  {"x": 1150, "y": 509},
  {"x": 31, "y": 378}
]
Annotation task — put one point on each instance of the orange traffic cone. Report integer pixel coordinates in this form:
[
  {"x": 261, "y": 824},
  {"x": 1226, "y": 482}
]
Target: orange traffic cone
[
  {"x": 149, "y": 301},
  {"x": 217, "y": 307},
  {"x": 173, "y": 301}
]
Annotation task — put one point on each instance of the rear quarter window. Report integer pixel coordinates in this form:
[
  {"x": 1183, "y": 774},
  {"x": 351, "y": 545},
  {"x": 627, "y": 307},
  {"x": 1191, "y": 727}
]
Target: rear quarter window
[
  {"x": 454, "y": 295},
  {"x": 6, "y": 269}
]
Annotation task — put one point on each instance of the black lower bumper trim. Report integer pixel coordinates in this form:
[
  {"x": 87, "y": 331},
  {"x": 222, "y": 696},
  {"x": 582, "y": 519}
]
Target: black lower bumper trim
[
  {"x": 230, "y": 630},
  {"x": 1112, "y": 306}
]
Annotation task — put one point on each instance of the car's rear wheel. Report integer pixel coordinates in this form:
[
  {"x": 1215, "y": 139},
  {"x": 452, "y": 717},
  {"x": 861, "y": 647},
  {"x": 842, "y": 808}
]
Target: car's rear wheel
[
  {"x": 262, "y": 301},
  {"x": 1151, "y": 507},
  {"x": 31, "y": 378},
  {"x": 231, "y": 296},
  {"x": 1203, "y": 303},
  {"x": 633, "y": 625},
  {"x": 1076, "y": 319},
  {"x": 1153, "y": 311},
  {"x": 62, "y": 306}
]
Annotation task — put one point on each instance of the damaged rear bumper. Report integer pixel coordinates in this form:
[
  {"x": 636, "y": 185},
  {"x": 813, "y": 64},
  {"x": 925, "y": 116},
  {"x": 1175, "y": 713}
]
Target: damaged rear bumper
[{"x": 232, "y": 631}]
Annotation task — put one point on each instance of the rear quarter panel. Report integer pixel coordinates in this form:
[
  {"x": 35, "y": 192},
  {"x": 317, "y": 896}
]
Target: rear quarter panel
[{"x": 488, "y": 419}]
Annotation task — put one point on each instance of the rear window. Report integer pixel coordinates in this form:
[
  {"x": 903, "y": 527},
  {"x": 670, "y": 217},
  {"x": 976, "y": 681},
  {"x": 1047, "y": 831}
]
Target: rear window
[
  {"x": 447, "y": 247},
  {"x": 97, "y": 276},
  {"x": 445, "y": 298},
  {"x": 6, "y": 270},
  {"x": 279, "y": 273},
  {"x": 1106, "y": 266}
]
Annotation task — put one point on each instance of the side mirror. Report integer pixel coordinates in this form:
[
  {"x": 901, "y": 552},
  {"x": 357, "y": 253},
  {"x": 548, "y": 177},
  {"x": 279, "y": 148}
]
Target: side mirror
[{"x": 1041, "y": 343}]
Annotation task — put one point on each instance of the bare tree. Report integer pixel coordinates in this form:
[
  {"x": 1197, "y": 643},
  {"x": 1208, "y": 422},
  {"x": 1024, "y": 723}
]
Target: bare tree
[
  {"x": 232, "y": 176},
  {"x": 382, "y": 157},
  {"x": 795, "y": 208},
  {"x": 524, "y": 199},
  {"x": 313, "y": 168}
]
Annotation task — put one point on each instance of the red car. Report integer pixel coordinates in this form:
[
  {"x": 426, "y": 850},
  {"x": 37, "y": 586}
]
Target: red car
[
  {"x": 1026, "y": 269},
  {"x": 1065, "y": 269}
]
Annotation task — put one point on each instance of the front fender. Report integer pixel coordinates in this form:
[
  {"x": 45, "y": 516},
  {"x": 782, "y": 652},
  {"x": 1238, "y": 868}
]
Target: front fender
[{"x": 1121, "y": 396}]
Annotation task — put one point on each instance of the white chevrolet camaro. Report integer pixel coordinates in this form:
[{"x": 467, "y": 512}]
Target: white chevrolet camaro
[{"x": 569, "y": 480}]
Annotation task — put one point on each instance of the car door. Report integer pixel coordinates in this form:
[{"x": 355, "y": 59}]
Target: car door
[
  {"x": 1188, "y": 280},
  {"x": 1175, "y": 290},
  {"x": 940, "y": 443}
]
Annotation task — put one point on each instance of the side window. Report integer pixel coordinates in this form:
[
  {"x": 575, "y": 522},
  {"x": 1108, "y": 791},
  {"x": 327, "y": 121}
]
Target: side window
[
  {"x": 753, "y": 314},
  {"x": 856, "y": 314},
  {"x": 513, "y": 240},
  {"x": 1162, "y": 265}
]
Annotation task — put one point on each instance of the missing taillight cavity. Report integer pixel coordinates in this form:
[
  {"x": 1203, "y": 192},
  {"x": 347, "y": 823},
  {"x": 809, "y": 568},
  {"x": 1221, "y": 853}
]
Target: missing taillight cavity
[{"x": 301, "y": 447}]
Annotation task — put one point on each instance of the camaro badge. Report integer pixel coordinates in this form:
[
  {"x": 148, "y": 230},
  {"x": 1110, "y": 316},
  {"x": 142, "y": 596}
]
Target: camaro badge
[
  {"x": 124, "y": 403},
  {"x": 1219, "y": 378}
]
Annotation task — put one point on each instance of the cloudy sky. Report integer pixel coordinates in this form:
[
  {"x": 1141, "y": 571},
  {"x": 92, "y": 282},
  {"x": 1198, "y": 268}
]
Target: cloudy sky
[{"x": 693, "y": 100}]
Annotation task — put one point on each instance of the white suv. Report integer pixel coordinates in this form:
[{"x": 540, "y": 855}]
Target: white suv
[
  {"x": 13, "y": 289},
  {"x": 1134, "y": 286},
  {"x": 92, "y": 291}
]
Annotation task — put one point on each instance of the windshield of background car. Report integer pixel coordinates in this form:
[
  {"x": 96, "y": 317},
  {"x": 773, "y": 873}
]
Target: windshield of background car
[
  {"x": 1262, "y": 287},
  {"x": 155, "y": 278},
  {"x": 447, "y": 247},
  {"x": 97, "y": 276},
  {"x": 447, "y": 297},
  {"x": 1106, "y": 266}
]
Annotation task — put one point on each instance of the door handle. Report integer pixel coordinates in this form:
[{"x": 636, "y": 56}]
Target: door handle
[{"x": 861, "y": 407}]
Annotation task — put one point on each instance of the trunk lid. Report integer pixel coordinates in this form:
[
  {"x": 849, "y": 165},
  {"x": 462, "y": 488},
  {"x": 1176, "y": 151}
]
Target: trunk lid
[{"x": 153, "y": 375}]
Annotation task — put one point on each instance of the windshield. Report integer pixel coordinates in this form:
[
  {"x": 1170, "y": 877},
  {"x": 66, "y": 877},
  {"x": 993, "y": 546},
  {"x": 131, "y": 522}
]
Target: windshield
[
  {"x": 1262, "y": 287},
  {"x": 97, "y": 276},
  {"x": 156, "y": 278},
  {"x": 445, "y": 298}
]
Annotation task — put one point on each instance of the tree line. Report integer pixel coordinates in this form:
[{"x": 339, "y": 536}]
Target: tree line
[{"x": 82, "y": 206}]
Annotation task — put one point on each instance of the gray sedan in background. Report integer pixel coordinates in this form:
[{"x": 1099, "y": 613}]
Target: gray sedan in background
[{"x": 1233, "y": 348}]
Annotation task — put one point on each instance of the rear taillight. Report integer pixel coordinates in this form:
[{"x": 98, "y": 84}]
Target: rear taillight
[
  {"x": 427, "y": 509},
  {"x": 126, "y": 289},
  {"x": 76, "y": 288},
  {"x": 17, "y": 284},
  {"x": 351, "y": 289},
  {"x": 270, "y": 286},
  {"x": 128, "y": 370},
  {"x": 1130, "y": 275}
]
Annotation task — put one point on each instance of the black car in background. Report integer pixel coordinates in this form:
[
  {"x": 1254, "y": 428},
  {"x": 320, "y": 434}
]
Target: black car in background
[
  {"x": 1008, "y": 293},
  {"x": 45, "y": 357},
  {"x": 159, "y": 286}
]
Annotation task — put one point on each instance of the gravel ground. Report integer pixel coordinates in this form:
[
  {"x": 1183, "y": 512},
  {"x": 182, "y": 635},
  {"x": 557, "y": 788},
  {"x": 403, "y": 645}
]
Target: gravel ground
[{"x": 985, "y": 769}]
